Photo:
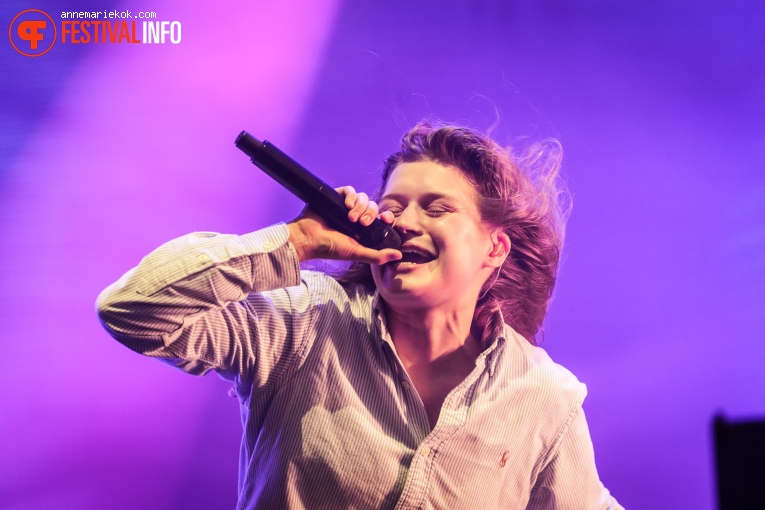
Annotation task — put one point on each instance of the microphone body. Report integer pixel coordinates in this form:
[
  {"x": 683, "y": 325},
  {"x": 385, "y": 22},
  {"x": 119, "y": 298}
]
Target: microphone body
[{"x": 320, "y": 196}]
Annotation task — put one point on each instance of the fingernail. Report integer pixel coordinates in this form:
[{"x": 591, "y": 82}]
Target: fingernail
[
  {"x": 353, "y": 216},
  {"x": 366, "y": 218}
]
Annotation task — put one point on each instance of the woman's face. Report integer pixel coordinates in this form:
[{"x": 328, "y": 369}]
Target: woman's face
[{"x": 445, "y": 243}]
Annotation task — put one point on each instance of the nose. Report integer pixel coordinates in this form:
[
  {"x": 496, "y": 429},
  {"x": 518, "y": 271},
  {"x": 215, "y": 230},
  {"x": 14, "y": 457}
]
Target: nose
[{"x": 408, "y": 222}]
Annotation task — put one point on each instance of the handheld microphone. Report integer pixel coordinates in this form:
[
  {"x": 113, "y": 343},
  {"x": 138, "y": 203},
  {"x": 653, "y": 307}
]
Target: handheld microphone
[{"x": 320, "y": 196}]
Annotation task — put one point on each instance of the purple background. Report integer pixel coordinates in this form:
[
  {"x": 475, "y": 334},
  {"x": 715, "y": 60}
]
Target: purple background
[{"x": 107, "y": 151}]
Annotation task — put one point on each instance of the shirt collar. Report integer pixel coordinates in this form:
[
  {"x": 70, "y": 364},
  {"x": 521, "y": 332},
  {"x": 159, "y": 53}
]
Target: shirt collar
[
  {"x": 494, "y": 351},
  {"x": 378, "y": 315}
]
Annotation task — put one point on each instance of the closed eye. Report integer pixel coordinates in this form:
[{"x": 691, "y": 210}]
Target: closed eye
[
  {"x": 396, "y": 211},
  {"x": 436, "y": 212},
  {"x": 433, "y": 212}
]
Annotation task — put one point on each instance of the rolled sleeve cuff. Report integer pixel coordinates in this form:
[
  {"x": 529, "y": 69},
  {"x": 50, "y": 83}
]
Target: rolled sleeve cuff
[{"x": 273, "y": 242}]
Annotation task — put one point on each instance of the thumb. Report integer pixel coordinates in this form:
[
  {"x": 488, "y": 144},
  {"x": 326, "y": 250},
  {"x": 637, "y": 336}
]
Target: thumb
[{"x": 370, "y": 256}]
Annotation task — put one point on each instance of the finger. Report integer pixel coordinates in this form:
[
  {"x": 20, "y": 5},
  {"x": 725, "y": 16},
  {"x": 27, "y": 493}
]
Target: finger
[
  {"x": 389, "y": 255},
  {"x": 349, "y": 195},
  {"x": 387, "y": 217},
  {"x": 377, "y": 257},
  {"x": 360, "y": 207},
  {"x": 370, "y": 214}
]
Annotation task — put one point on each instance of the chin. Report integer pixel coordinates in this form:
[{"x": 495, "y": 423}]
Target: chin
[
  {"x": 409, "y": 287},
  {"x": 410, "y": 296}
]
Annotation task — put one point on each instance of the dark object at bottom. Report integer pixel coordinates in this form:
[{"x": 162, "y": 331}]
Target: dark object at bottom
[{"x": 740, "y": 458}]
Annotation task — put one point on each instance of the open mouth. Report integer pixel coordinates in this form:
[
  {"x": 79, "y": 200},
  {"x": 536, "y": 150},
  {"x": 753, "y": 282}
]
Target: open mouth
[
  {"x": 415, "y": 258},
  {"x": 412, "y": 256}
]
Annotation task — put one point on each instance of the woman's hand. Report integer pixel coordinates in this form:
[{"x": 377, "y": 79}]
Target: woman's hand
[{"x": 313, "y": 239}]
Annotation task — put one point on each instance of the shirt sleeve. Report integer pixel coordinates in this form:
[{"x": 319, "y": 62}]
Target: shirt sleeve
[
  {"x": 207, "y": 301},
  {"x": 570, "y": 481}
]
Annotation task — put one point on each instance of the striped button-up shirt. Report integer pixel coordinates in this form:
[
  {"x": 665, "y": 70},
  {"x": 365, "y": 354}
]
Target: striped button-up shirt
[{"x": 331, "y": 418}]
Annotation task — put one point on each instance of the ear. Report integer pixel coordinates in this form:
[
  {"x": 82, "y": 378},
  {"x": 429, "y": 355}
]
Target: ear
[{"x": 500, "y": 249}]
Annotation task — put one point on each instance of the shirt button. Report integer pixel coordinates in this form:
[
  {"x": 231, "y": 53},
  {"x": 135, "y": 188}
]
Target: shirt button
[
  {"x": 268, "y": 245},
  {"x": 425, "y": 451},
  {"x": 203, "y": 257},
  {"x": 405, "y": 385}
]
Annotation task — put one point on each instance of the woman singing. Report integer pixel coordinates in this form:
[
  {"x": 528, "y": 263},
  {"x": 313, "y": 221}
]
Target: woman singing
[{"x": 412, "y": 379}]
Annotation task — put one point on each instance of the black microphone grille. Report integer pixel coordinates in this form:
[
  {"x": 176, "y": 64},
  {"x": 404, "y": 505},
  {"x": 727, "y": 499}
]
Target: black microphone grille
[{"x": 379, "y": 236}]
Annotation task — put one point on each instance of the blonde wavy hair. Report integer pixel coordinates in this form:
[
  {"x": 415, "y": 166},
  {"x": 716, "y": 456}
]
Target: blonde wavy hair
[{"x": 523, "y": 195}]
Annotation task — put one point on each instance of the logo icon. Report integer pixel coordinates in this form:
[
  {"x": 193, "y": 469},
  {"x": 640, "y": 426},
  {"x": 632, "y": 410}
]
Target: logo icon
[{"x": 32, "y": 33}]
